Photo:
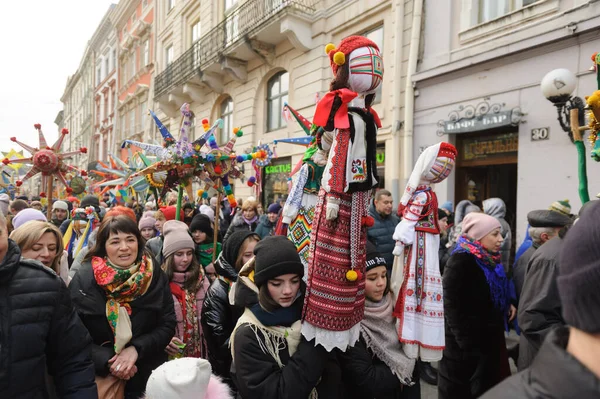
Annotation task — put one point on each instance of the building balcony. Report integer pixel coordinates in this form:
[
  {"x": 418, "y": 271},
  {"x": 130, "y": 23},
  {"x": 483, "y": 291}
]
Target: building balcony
[{"x": 250, "y": 31}]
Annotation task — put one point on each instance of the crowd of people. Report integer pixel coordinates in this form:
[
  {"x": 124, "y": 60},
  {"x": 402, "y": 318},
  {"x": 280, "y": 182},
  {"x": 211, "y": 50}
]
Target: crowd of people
[{"x": 136, "y": 301}]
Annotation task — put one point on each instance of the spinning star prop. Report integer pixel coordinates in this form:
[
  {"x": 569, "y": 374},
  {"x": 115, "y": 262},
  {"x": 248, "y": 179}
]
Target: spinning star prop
[{"x": 47, "y": 160}]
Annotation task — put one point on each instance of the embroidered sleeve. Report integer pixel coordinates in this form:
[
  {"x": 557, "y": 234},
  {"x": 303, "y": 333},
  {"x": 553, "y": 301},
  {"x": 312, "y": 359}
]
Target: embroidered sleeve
[
  {"x": 334, "y": 176},
  {"x": 405, "y": 230},
  {"x": 294, "y": 200}
]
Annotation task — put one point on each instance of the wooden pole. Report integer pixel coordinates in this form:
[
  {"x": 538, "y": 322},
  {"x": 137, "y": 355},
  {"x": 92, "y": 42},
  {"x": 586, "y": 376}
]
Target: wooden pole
[
  {"x": 216, "y": 229},
  {"x": 49, "y": 191}
]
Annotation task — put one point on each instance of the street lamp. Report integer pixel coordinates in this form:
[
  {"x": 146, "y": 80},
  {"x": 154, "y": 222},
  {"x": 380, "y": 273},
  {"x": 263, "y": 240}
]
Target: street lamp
[{"x": 558, "y": 86}]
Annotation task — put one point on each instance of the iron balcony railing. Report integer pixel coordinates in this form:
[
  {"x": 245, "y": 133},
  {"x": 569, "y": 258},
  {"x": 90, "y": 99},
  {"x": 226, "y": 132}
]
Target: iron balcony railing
[{"x": 242, "y": 22}]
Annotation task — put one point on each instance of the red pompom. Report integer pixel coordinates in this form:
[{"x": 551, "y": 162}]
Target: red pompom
[
  {"x": 6, "y": 161},
  {"x": 218, "y": 169},
  {"x": 42, "y": 195},
  {"x": 250, "y": 183},
  {"x": 83, "y": 173},
  {"x": 368, "y": 221},
  {"x": 204, "y": 121},
  {"x": 13, "y": 139},
  {"x": 69, "y": 190},
  {"x": 19, "y": 183},
  {"x": 83, "y": 150},
  {"x": 37, "y": 126},
  {"x": 64, "y": 130},
  {"x": 359, "y": 275}
]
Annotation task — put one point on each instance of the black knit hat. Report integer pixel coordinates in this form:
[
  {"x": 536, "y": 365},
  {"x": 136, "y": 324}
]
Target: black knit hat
[
  {"x": 234, "y": 242},
  {"x": 201, "y": 222},
  {"x": 90, "y": 200},
  {"x": 374, "y": 257},
  {"x": 275, "y": 256},
  {"x": 579, "y": 272}
]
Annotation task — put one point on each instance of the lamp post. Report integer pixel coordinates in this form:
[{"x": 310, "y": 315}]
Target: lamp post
[{"x": 558, "y": 86}]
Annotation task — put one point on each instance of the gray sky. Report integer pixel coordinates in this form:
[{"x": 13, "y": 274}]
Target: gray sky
[{"x": 43, "y": 42}]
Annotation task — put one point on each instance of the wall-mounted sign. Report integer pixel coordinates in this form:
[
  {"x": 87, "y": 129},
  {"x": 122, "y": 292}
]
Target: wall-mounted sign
[
  {"x": 488, "y": 147},
  {"x": 271, "y": 169},
  {"x": 540, "y": 133},
  {"x": 275, "y": 181},
  {"x": 484, "y": 116},
  {"x": 380, "y": 155}
]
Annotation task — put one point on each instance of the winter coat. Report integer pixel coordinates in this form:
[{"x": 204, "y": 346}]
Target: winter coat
[
  {"x": 540, "y": 308},
  {"x": 520, "y": 269},
  {"x": 258, "y": 375},
  {"x": 238, "y": 224},
  {"x": 39, "y": 331},
  {"x": 497, "y": 208},
  {"x": 553, "y": 374},
  {"x": 155, "y": 246},
  {"x": 265, "y": 228},
  {"x": 381, "y": 233},
  {"x": 475, "y": 357},
  {"x": 367, "y": 377},
  {"x": 219, "y": 317},
  {"x": 152, "y": 323}
]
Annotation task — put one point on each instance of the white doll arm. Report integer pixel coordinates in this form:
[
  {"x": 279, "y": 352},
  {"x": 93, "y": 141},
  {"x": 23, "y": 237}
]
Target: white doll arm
[{"x": 405, "y": 230}]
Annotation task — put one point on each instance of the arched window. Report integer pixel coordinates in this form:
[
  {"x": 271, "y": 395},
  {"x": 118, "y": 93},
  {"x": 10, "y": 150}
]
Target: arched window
[
  {"x": 277, "y": 95},
  {"x": 226, "y": 113}
]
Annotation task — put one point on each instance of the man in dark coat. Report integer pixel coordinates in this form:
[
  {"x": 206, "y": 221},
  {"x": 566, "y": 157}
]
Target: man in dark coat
[
  {"x": 540, "y": 309},
  {"x": 381, "y": 232},
  {"x": 544, "y": 225},
  {"x": 39, "y": 331},
  {"x": 567, "y": 364}
]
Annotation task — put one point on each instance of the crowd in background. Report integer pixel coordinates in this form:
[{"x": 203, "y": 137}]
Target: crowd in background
[{"x": 135, "y": 299}]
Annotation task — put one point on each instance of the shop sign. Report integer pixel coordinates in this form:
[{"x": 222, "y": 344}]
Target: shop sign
[
  {"x": 271, "y": 169},
  {"x": 473, "y": 125},
  {"x": 499, "y": 145},
  {"x": 484, "y": 116}
]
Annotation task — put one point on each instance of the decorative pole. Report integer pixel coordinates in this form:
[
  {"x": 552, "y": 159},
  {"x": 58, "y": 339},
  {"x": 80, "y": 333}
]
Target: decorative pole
[{"x": 584, "y": 194}]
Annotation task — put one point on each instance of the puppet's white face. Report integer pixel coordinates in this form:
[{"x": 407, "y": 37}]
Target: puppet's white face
[
  {"x": 440, "y": 170},
  {"x": 366, "y": 70}
]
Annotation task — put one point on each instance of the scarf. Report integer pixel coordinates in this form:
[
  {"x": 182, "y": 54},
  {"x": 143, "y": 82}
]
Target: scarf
[
  {"x": 378, "y": 329},
  {"x": 187, "y": 300},
  {"x": 250, "y": 221},
  {"x": 284, "y": 317},
  {"x": 121, "y": 286},
  {"x": 204, "y": 253},
  {"x": 492, "y": 268}
]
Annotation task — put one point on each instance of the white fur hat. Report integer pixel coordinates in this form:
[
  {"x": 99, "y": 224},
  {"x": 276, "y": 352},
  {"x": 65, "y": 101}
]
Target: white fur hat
[{"x": 185, "y": 378}]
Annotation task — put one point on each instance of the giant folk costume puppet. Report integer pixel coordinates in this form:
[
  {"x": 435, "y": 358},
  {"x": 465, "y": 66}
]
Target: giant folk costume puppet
[
  {"x": 334, "y": 303},
  {"x": 416, "y": 279}
]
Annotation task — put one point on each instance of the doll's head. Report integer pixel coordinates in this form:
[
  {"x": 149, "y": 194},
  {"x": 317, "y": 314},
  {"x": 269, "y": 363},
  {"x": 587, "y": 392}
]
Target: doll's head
[
  {"x": 357, "y": 65},
  {"x": 442, "y": 165}
]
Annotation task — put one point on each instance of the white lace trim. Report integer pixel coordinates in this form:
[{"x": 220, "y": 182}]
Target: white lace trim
[{"x": 331, "y": 339}]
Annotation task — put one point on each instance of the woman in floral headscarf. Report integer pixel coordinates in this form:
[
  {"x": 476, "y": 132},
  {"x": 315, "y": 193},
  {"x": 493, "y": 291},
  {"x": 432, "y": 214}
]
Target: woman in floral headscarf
[{"x": 123, "y": 298}]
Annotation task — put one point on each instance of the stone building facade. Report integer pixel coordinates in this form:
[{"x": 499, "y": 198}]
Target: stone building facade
[
  {"x": 133, "y": 21},
  {"x": 104, "y": 45},
  {"x": 241, "y": 60},
  {"x": 77, "y": 102},
  {"x": 478, "y": 86}
]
